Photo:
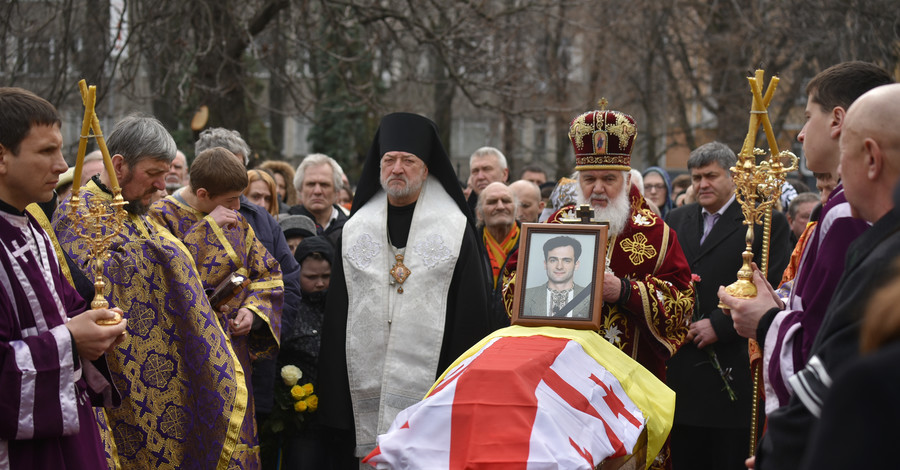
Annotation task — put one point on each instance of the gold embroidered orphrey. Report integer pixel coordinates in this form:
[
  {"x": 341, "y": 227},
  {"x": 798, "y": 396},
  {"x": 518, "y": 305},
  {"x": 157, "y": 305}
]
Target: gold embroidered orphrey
[
  {"x": 623, "y": 129},
  {"x": 399, "y": 272},
  {"x": 639, "y": 248},
  {"x": 578, "y": 130}
]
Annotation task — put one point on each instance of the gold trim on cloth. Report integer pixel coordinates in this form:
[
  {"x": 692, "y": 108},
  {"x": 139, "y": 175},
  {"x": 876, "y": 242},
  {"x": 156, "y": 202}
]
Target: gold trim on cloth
[
  {"x": 663, "y": 249},
  {"x": 580, "y": 129},
  {"x": 220, "y": 235},
  {"x": 236, "y": 420},
  {"x": 608, "y": 161},
  {"x": 623, "y": 129},
  {"x": 109, "y": 442},
  {"x": 265, "y": 285}
]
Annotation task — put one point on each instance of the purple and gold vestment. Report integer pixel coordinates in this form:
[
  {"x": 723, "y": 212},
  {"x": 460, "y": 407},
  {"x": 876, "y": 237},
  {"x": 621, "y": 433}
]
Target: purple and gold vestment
[
  {"x": 184, "y": 390},
  {"x": 218, "y": 252}
]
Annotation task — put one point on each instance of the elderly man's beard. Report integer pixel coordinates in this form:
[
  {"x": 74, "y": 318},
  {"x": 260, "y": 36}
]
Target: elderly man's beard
[
  {"x": 616, "y": 211},
  {"x": 410, "y": 187}
]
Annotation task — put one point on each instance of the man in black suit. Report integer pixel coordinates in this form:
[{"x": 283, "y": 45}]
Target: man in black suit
[
  {"x": 711, "y": 429},
  {"x": 560, "y": 296}
]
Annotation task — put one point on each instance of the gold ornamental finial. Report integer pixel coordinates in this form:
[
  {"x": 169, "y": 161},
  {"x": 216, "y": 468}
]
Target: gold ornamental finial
[
  {"x": 758, "y": 186},
  {"x": 603, "y": 103}
]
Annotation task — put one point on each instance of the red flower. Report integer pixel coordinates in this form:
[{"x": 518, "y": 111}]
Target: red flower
[{"x": 695, "y": 277}]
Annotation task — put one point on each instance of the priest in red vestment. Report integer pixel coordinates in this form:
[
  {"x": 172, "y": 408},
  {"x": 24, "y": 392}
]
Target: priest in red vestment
[{"x": 648, "y": 297}]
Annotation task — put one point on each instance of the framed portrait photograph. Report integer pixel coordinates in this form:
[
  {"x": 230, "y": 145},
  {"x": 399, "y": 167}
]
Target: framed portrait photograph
[{"x": 559, "y": 279}]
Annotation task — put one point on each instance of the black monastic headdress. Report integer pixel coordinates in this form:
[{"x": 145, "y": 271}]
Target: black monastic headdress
[{"x": 418, "y": 135}]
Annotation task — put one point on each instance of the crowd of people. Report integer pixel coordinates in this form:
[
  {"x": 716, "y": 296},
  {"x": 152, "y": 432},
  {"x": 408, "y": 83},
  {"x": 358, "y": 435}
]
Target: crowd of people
[{"x": 229, "y": 279}]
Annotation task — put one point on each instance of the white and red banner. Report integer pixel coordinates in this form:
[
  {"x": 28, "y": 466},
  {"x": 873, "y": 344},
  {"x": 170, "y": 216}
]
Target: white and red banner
[{"x": 531, "y": 398}]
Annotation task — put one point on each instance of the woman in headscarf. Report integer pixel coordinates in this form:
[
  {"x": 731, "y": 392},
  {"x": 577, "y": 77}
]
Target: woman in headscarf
[{"x": 657, "y": 188}]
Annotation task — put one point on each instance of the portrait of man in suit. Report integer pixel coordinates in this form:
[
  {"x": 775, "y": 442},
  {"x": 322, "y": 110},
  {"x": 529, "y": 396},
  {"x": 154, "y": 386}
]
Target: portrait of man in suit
[{"x": 560, "y": 296}]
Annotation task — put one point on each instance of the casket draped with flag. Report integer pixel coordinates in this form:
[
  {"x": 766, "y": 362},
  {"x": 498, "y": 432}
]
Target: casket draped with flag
[{"x": 532, "y": 398}]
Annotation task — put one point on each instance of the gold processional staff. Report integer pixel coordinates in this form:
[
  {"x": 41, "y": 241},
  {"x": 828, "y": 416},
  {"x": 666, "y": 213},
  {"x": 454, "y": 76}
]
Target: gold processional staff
[{"x": 757, "y": 188}]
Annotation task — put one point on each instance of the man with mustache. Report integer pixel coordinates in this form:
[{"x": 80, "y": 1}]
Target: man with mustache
[
  {"x": 410, "y": 293},
  {"x": 648, "y": 298},
  {"x": 183, "y": 387}
]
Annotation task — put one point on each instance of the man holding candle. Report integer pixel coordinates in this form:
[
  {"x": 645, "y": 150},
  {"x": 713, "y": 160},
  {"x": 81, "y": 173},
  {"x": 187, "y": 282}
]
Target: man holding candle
[
  {"x": 786, "y": 329},
  {"x": 269, "y": 233},
  {"x": 709, "y": 374},
  {"x": 184, "y": 394},
  {"x": 47, "y": 338}
]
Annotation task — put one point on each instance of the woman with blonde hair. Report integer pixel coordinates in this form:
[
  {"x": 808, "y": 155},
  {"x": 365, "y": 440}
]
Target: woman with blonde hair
[
  {"x": 262, "y": 191},
  {"x": 283, "y": 173}
]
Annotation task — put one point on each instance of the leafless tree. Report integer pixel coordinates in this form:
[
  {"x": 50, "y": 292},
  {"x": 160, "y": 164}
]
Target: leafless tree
[{"x": 679, "y": 66}]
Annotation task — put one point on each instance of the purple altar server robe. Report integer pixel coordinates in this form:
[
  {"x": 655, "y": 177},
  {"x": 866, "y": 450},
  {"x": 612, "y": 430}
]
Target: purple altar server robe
[
  {"x": 820, "y": 269},
  {"x": 45, "y": 413}
]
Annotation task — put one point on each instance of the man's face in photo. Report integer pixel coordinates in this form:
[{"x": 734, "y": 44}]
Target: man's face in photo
[{"x": 561, "y": 265}]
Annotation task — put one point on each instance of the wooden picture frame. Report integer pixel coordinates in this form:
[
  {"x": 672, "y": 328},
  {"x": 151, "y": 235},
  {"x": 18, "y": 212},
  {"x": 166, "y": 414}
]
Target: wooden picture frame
[{"x": 577, "y": 271}]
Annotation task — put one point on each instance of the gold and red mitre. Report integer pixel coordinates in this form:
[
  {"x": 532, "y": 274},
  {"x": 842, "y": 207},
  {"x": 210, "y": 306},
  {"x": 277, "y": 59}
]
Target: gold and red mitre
[{"x": 603, "y": 139}]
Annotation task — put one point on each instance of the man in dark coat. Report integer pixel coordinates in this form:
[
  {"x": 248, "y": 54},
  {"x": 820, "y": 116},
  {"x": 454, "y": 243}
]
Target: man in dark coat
[
  {"x": 712, "y": 429},
  {"x": 409, "y": 294}
]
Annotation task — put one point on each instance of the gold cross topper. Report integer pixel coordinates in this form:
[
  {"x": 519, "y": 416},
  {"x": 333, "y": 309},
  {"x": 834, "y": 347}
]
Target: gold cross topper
[{"x": 603, "y": 104}]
